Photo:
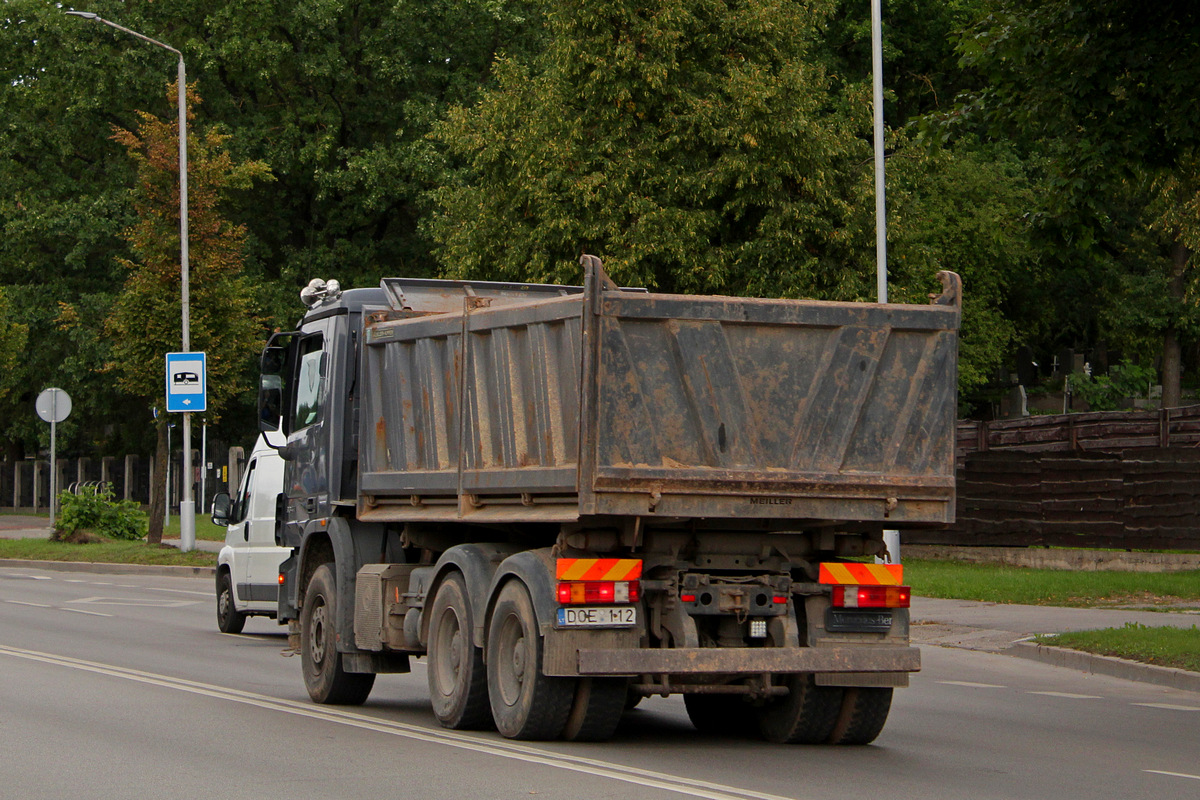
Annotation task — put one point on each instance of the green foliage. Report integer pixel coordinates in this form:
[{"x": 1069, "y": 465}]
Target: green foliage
[
  {"x": 694, "y": 147},
  {"x": 1105, "y": 392},
  {"x": 93, "y": 509}
]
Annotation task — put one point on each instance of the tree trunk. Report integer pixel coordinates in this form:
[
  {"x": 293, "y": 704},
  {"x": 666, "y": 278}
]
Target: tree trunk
[
  {"x": 1172, "y": 364},
  {"x": 158, "y": 486}
]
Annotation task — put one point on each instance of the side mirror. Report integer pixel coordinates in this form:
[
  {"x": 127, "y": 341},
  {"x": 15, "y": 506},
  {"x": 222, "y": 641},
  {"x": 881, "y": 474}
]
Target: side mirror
[{"x": 220, "y": 509}]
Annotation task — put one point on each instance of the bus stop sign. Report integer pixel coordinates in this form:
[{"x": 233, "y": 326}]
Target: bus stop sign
[{"x": 187, "y": 382}]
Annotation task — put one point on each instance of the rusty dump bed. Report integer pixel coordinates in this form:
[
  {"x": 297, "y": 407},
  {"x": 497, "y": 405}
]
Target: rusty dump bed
[{"x": 555, "y": 405}]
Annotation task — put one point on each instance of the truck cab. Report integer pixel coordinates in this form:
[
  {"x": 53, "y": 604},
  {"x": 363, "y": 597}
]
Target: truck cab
[{"x": 247, "y": 582}]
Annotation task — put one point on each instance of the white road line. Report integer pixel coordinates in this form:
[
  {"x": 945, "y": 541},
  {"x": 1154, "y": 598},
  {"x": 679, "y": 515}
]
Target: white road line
[
  {"x": 1168, "y": 706},
  {"x": 478, "y": 743},
  {"x": 81, "y": 611},
  {"x": 1172, "y": 774},
  {"x": 182, "y": 591},
  {"x": 1069, "y": 695},
  {"x": 23, "y": 603},
  {"x": 971, "y": 685}
]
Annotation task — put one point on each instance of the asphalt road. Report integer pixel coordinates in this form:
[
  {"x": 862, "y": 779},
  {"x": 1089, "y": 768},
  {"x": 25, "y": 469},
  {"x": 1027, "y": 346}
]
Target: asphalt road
[{"x": 120, "y": 686}]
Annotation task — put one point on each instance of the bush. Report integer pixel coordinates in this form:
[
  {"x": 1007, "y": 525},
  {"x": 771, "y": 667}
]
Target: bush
[
  {"x": 93, "y": 509},
  {"x": 1105, "y": 392}
]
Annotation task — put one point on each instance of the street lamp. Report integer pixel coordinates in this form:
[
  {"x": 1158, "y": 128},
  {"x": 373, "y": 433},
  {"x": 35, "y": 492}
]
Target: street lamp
[{"x": 187, "y": 507}]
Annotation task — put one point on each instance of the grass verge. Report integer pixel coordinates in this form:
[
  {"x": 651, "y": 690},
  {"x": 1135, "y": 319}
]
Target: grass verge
[
  {"x": 205, "y": 530},
  {"x": 112, "y": 552},
  {"x": 1165, "y": 647},
  {"x": 1045, "y": 587}
]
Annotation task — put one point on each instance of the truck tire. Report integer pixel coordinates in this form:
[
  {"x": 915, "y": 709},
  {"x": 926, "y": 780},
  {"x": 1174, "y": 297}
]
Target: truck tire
[
  {"x": 864, "y": 713},
  {"x": 229, "y": 619},
  {"x": 324, "y": 677},
  {"x": 457, "y": 678},
  {"x": 526, "y": 704},
  {"x": 720, "y": 714},
  {"x": 806, "y": 715},
  {"x": 596, "y": 710}
]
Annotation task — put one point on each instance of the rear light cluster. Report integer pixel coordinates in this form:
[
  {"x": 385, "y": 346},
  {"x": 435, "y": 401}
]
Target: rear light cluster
[
  {"x": 871, "y": 596},
  {"x": 577, "y": 592}
]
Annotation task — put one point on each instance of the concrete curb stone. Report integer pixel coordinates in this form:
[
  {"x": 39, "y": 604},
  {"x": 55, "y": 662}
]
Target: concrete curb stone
[
  {"x": 112, "y": 569},
  {"x": 1107, "y": 665}
]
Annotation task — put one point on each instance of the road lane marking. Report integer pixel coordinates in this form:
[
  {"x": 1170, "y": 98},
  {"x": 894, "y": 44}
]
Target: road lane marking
[
  {"x": 473, "y": 742},
  {"x": 1172, "y": 774},
  {"x": 180, "y": 591},
  {"x": 82, "y": 611},
  {"x": 971, "y": 685},
  {"x": 1069, "y": 695},
  {"x": 1168, "y": 706},
  {"x": 23, "y": 603},
  {"x": 137, "y": 602}
]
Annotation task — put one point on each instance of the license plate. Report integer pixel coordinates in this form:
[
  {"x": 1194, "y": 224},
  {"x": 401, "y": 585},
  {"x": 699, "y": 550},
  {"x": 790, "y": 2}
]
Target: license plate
[{"x": 603, "y": 617}]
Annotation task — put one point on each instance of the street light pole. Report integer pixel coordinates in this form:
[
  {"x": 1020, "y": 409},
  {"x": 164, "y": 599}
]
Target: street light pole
[{"x": 187, "y": 507}]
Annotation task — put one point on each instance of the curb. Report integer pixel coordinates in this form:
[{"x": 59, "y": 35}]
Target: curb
[
  {"x": 1107, "y": 665},
  {"x": 113, "y": 569}
]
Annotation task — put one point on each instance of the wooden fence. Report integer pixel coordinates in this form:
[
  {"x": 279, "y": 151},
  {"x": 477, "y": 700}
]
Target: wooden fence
[{"x": 1128, "y": 480}]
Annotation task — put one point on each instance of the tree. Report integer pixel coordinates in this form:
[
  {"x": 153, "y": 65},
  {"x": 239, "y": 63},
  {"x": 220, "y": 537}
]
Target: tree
[
  {"x": 146, "y": 318},
  {"x": 695, "y": 146},
  {"x": 1105, "y": 91}
]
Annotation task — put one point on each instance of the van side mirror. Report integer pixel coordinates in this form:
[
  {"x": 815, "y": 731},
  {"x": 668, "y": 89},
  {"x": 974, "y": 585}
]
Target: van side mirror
[{"x": 220, "y": 509}]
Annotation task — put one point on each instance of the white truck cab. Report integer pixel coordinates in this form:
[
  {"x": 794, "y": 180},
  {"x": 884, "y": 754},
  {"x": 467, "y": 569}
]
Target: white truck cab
[{"x": 248, "y": 565}]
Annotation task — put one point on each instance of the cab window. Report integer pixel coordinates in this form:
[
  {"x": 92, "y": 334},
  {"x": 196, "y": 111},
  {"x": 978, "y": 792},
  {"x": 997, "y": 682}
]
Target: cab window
[{"x": 310, "y": 383}]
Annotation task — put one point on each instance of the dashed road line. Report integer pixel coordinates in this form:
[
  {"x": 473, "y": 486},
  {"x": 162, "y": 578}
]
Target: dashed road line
[
  {"x": 973, "y": 685},
  {"x": 1172, "y": 774},
  {"x": 1068, "y": 695},
  {"x": 1168, "y": 706}
]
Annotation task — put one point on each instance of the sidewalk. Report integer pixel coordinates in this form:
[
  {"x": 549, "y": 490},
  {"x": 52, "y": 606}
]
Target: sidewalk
[{"x": 1008, "y": 629}]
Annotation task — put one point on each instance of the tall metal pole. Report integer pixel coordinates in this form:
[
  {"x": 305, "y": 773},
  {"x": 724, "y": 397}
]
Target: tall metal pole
[
  {"x": 187, "y": 507},
  {"x": 880, "y": 205},
  {"x": 891, "y": 538}
]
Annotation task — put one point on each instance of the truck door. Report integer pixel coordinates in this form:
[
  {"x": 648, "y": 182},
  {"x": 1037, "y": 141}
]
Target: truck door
[
  {"x": 307, "y": 473},
  {"x": 237, "y": 535}
]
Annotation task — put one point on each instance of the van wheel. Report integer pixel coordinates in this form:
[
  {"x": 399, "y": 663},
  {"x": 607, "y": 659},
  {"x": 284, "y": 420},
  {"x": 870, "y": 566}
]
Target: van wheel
[
  {"x": 324, "y": 677},
  {"x": 229, "y": 619},
  {"x": 525, "y": 703},
  {"x": 457, "y": 678}
]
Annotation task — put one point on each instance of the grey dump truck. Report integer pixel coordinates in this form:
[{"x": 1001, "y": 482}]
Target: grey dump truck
[{"x": 571, "y": 498}]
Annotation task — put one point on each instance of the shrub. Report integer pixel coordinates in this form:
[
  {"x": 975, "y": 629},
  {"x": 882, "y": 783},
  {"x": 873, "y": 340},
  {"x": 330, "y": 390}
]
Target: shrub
[
  {"x": 94, "y": 509},
  {"x": 1105, "y": 392}
]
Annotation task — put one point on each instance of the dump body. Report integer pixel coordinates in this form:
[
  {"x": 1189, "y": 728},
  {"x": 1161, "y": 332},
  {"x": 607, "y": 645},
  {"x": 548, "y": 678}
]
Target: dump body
[{"x": 633, "y": 404}]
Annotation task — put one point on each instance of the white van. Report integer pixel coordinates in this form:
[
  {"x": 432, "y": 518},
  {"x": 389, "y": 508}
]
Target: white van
[{"x": 248, "y": 565}]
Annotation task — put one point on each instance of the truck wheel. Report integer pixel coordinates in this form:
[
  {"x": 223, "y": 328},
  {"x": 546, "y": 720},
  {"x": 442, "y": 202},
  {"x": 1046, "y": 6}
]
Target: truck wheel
[
  {"x": 525, "y": 703},
  {"x": 864, "y": 713},
  {"x": 457, "y": 678},
  {"x": 807, "y": 715},
  {"x": 229, "y": 619},
  {"x": 727, "y": 714},
  {"x": 596, "y": 710},
  {"x": 324, "y": 677}
]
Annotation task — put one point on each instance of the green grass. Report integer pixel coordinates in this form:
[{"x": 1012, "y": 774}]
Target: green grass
[
  {"x": 1166, "y": 647},
  {"x": 112, "y": 552},
  {"x": 205, "y": 530},
  {"x": 1022, "y": 585}
]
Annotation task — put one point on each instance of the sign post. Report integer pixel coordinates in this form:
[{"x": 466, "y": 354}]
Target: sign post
[
  {"x": 187, "y": 392},
  {"x": 53, "y": 406}
]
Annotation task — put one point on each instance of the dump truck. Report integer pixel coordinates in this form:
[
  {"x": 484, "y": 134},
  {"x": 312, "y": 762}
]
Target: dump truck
[{"x": 568, "y": 499}]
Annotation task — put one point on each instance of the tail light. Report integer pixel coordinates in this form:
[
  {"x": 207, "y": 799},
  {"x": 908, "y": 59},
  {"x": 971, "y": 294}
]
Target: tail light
[
  {"x": 576, "y": 592},
  {"x": 871, "y": 596}
]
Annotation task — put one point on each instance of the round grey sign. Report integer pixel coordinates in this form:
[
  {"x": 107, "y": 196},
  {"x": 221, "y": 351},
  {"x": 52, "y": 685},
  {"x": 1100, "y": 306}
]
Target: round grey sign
[{"x": 53, "y": 405}]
